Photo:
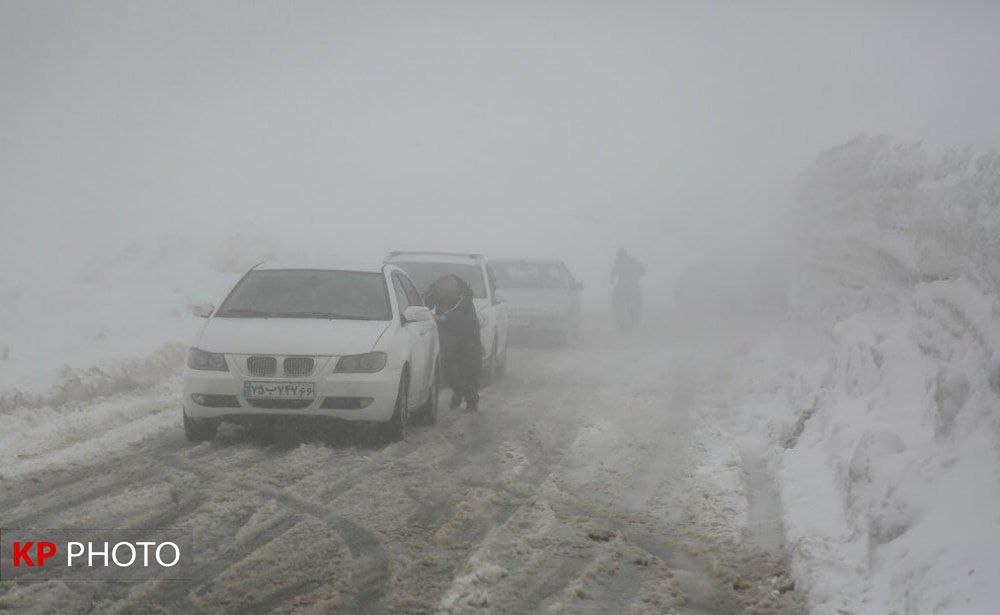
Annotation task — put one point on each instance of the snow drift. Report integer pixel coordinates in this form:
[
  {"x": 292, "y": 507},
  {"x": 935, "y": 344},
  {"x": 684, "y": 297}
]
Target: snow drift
[{"x": 886, "y": 447}]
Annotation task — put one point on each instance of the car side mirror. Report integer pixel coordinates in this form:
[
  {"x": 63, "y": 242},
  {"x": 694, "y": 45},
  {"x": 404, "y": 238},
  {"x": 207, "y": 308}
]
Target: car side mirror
[
  {"x": 417, "y": 313},
  {"x": 202, "y": 310}
]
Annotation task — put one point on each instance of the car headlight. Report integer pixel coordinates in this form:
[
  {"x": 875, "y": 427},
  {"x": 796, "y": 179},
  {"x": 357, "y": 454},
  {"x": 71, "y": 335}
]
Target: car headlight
[
  {"x": 206, "y": 361},
  {"x": 367, "y": 363}
]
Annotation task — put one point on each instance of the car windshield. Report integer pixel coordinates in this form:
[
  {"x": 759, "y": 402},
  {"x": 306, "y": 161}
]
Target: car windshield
[
  {"x": 425, "y": 274},
  {"x": 531, "y": 274},
  {"x": 308, "y": 293}
]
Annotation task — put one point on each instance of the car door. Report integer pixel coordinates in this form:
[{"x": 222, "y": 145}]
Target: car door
[
  {"x": 485, "y": 313},
  {"x": 428, "y": 330},
  {"x": 500, "y": 313},
  {"x": 417, "y": 338}
]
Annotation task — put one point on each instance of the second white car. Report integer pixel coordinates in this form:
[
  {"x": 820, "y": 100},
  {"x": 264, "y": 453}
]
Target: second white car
[{"x": 424, "y": 268}]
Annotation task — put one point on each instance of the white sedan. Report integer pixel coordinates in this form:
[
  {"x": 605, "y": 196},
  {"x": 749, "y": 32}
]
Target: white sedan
[
  {"x": 356, "y": 345},
  {"x": 425, "y": 268}
]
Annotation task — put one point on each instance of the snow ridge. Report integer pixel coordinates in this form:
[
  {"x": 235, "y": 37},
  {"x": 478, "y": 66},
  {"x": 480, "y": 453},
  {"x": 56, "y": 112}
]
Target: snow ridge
[{"x": 888, "y": 451}]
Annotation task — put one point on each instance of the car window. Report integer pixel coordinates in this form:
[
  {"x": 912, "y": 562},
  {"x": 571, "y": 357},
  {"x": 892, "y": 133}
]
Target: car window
[
  {"x": 425, "y": 274},
  {"x": 401, "y": 298},
  {"x": 308, "y": 293},
  {"x": 412, "y": 295},
  {"x": 531, "y": 274}
]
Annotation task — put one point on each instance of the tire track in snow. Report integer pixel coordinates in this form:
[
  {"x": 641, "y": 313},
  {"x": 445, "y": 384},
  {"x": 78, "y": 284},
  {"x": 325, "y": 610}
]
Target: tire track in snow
[
  {"x": 49, "y": 482},
  {"x": 371, "y": 565},
  {"x": 185, "y": 597},
  {"x": 543, "y": 460}
]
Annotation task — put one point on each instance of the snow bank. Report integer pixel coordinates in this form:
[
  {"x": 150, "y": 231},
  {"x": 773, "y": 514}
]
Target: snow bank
[
  {"x": 887, "y": 448},
  {"x": 76, "y": 318},
  {"x": 93, "y": 341},
  {"x": 80, "y": 385}
]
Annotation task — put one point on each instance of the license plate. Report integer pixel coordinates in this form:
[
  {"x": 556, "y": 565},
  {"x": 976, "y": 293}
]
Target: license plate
[{"x": 279, "y": 390}]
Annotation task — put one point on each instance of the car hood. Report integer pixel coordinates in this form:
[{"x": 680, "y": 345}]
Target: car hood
[
  {"x": 290, "y": 336},
  {"x": 538, "y": 299}
]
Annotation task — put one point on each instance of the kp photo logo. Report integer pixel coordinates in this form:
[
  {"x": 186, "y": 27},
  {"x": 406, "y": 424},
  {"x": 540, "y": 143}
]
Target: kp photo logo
[{"x": 94, "y": 554}]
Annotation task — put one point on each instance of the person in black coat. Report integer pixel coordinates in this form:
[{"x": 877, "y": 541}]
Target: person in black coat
[
  {"x": 461, "y": 346},
  {"x": 627, "y": 293}
]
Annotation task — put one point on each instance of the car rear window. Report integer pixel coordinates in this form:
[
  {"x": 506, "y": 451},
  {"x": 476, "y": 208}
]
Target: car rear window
[
  {"x": 425, "y": 274},
  {"x": 531, "y": 274}
]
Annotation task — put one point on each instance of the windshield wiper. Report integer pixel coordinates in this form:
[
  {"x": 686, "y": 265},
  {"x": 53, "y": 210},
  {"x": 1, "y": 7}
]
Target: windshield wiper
[
  {"x": 327, "y": 315},
  {"x": 247, "y": 313}
]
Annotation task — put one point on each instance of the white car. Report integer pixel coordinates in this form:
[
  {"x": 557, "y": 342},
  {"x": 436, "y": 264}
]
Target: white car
[
  {"x": 424, "y": 268},
  {"x": 543, "y": 295},
  {"x": 351, "y": 344}
]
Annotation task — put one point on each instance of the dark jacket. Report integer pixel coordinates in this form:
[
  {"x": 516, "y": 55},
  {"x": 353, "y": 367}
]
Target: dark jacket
[{"x": 461, "y": 346}]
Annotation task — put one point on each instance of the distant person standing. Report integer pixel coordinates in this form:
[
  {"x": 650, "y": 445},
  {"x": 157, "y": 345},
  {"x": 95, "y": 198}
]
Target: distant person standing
[
  {"x": 461, "y": 346},
  {"x": 627, "y": 290}
]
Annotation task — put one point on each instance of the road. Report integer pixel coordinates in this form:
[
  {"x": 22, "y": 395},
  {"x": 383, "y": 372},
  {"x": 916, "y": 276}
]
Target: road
[{"x": 589, "y": 482}]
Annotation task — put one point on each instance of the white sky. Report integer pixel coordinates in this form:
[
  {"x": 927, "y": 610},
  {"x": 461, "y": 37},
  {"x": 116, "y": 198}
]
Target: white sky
[{"x": 565, "y": 128}]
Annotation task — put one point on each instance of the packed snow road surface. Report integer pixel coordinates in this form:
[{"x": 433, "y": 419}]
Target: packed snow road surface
[{"x": 588, "y": 482}]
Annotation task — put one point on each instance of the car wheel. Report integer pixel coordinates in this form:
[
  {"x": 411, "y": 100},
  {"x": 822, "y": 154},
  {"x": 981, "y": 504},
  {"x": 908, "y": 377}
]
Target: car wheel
[
  {"x": 196, "y": 430},
  {"x": 427, "y": 414},
  {"x": 395, "y": 428}
]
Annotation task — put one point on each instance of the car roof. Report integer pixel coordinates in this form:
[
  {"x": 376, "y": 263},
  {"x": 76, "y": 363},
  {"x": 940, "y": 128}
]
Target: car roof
[
  {"x": 358, "y": 267},
  {"x": 526, "y": 260},
  {"x": 435, "y": 257}
]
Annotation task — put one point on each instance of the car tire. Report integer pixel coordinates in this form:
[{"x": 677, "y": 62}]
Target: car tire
[
  {"x": 199, "y": 430},
  {"x": 427, "y": 414},
  {"x": 394, "y": 430}
]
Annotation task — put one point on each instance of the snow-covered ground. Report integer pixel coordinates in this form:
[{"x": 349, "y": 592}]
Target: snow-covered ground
[{"x": 587, "y": 483}]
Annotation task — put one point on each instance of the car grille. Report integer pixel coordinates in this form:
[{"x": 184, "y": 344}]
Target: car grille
[
  {"x": 297, "y": 367},
  {"x": 282, "y": 404},
  {"x": 262, "y": 366}
]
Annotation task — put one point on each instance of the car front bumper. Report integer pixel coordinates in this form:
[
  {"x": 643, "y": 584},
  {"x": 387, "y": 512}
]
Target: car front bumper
[{"x": 220, "y": 395}]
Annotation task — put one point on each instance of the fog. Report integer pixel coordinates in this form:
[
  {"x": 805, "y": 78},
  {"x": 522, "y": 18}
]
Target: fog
[
  {"x": 803, "y": 418},
  {"x": 562, "y": 129}
]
